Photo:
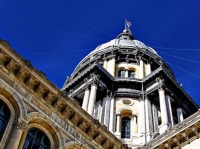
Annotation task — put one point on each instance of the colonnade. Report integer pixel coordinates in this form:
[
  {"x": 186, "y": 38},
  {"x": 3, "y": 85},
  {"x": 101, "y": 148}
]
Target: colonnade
[
  {"x": 89, "y": 99},
  {"x": 167, "y": 119}
]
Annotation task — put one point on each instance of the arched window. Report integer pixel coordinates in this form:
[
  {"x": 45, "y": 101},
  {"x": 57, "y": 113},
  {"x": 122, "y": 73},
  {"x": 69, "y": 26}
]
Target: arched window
[
  {"x": 36, "y": 139},
  {"x": 126, "y": 127},
  {"x": 131, "y": 74},
  {"x": 4, "y": 117},
  {"x": 121, "y": 73}
]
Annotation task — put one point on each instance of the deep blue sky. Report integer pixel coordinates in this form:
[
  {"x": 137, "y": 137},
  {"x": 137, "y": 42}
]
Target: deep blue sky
[{"x": 56, "y": 35}]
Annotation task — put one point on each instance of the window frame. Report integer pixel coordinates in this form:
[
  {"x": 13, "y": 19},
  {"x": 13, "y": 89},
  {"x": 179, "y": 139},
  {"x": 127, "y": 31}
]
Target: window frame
[
  {"x": 34, "y": 140},
  {"x": 126, "y": 128}
]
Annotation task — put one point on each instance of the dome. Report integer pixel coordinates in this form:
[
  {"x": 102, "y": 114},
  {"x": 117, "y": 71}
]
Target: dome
[{"x": 123, "y": 40}]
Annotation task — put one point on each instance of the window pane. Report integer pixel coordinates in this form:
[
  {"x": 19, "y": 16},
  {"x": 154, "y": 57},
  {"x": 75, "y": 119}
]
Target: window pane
[
  {"x": 36, "y": 139},
  {"x": 4, "y": 117},
  {"x": 131, "y": 74},
  {"x": 126, "y": 123},
  {"x": 121, "y": 73}
]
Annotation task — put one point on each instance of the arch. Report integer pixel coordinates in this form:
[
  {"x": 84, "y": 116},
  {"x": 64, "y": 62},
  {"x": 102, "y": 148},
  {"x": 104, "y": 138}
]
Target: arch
[
  {"x": 45, "y": 124},
  {"x": 14, "y": 98},
  {"x": 74, "y": 145},
  {"x": 126, "y": 113},
  {"x": 14, "y": 102},
  {"x": 121, "y": 68}
]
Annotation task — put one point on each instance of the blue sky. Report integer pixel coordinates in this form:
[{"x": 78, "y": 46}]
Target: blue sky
[{"x": 56, "y": 35}]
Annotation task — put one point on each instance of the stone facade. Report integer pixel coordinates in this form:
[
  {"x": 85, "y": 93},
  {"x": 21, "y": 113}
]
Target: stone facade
[{"x": 34, "y": 102}]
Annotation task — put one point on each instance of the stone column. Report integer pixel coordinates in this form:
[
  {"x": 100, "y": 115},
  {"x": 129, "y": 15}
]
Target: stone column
[
  {"x": 111, "y": 66},
  {"x": 107, "y": 111},
  {"x": 112, "y": 107},
  {"x": 96, "y": 110},
  {"x": 141, "y": 72},
  {"x": 148, "y": 69},
  {"x": 163, "y": 110},
  {"x": 118, "y": 130},
  {"x": 149, "y": 120},
  {"x": 155, "y": 118},
  {"x": 179, "y": 114},
  {"x": 17, "y": 134},
  {"x": 105, "y": 62},
  {"x": 141, "y": 119},
  {"x": 169, "y": 109},
  {"x": 135, "y": 124},
  {"x": 92, "y": 99},
  {"x": 86, "y": 99}
]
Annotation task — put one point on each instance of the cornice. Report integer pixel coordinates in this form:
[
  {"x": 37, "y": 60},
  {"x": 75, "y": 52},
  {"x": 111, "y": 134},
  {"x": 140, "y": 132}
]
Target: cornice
[{"x": 35, "y": 82}]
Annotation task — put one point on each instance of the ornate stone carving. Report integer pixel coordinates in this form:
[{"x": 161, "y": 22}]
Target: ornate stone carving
[
  {"x": 62, "y": 94},
  {"x": 20, "y": 124},
  {"x": 27, "y": 63},
  {"x": 96, "y": 123}
]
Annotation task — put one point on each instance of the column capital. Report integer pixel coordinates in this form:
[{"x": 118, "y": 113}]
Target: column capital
[
  {"x": 113, "y": 55},
  {"x": 86, "y": 87},
  {"x": 95, "y": 79},
  {"x": 118, "y": 115},
  {"x": 105, "y": 58},
  {"x": 21, "y": 124},
  {"x": 134, "y": 115},
  {"x": 140, "y": 57}
]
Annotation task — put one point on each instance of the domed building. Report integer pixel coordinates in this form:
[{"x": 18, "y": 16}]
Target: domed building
[
  {"x": 122, "y": 95},
  {"x": 129, "y": 89}
]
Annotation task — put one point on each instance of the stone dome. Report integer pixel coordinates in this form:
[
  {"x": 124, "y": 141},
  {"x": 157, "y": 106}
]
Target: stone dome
[{"x": 123, "y": 40}]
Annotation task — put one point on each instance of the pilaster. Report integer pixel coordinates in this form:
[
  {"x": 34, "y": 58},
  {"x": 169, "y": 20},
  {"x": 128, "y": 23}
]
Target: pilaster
[{"x": 15, "y": 138}]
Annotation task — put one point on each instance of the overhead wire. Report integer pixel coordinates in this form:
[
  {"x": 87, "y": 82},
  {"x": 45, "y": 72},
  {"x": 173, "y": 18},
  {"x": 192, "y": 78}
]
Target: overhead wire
[
  {"x": 179, "y": 57},
  {"x": 79, "y": 20},
  {"x": 184, "y": 70},
  {"x": 168, "y": 48},
  {"x": 59, "y": 31},
  {"x": 53, "y": 52},
  {"x": 56, "y": 52}
]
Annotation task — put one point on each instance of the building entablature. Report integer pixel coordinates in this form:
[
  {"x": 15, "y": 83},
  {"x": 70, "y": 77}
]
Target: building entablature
[{"x": 23, "y": 73}]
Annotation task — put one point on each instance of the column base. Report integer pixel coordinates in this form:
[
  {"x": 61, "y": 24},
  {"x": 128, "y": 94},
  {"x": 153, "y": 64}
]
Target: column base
[
  {"x": 148, "y": 136},
  {"x": 118, "y": 135}
]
